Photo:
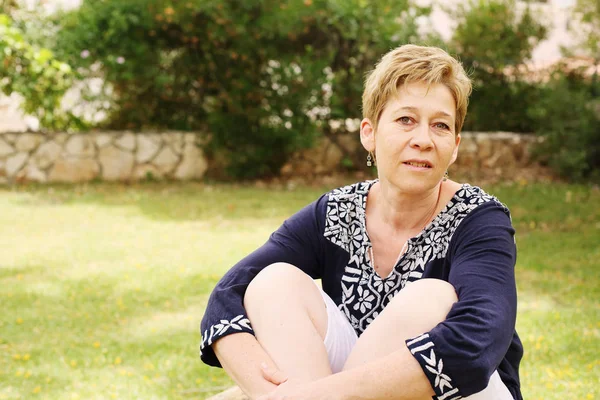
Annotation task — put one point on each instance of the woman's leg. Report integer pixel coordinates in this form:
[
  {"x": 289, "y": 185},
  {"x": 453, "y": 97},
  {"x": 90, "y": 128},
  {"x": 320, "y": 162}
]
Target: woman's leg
[
  {"x": 417, "y": 308},
  {"x": 289, "y": 318}
]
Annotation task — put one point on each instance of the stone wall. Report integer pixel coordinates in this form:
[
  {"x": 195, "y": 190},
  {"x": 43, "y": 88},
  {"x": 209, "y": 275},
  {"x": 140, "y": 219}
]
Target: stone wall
[
  {"x": 110, "y": 156},
  {"x": 482, "y": 155},
  {"x": 128, "y": 156}
]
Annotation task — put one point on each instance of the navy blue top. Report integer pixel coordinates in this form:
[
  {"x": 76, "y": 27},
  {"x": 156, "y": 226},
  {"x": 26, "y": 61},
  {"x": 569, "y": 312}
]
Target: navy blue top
[{"x": 470, "y": 244}]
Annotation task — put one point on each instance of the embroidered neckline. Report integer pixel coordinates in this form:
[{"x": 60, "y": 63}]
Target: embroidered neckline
[
  {"x": 456, "y": 198},
  {"x": 364, "y": 293}
]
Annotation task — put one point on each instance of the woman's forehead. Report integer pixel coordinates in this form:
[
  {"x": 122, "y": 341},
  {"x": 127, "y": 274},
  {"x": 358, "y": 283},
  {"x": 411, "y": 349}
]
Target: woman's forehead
[{"x": 422, "y": 97}]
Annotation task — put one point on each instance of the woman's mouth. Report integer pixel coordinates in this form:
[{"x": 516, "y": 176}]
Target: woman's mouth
[{"x": 418, "y": 164}]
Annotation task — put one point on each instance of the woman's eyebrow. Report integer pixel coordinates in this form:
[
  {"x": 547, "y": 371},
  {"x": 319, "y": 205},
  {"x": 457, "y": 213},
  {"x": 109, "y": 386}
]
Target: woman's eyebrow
[{"x": 415, "y": 110}]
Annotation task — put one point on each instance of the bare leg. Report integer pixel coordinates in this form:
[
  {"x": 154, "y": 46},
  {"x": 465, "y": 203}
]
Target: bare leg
[
  {"x": 289, "y": 318},
  {"x": 419, "y": 307},
  {"x": 416, "y": 309}
]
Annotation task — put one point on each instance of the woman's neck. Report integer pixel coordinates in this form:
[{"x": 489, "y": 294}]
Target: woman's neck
[{"x": 406, "y": 212}]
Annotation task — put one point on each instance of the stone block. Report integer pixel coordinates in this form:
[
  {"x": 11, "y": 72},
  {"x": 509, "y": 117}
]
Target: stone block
[
  {"x": 485, "y": 148},
  {"x": 81, "y": 145},
  {"x": 147, "y": 148},
  {"x": 10, "y": 137},
  {"x": 104, "y": 139},
  {"x": 331, "y": 159},
  {"x": 117, "y": 164},
  {"x": 46, "y": 154},
  {"x": 31, "y": 173},
  {"x": 61, "y": 138},
  {"x": 15, "y": 163},
  {"x": 126, "y": 141},
  {"x": 5, "y": 148},
  {"x": 467, "y": 160},
  {"x": 303, "y": 168},
  {"x": 193, "y": 165},
  {"x": 468, "y": 145},
  {"x": 190, "y": 138},
  {"x": 502, "y": 158},
  {"x": 74, "y": 169},
  {"x": 166, "y": 161},
  {"x": 175, "y": 140},
  {"x": 28, "y": 141}
]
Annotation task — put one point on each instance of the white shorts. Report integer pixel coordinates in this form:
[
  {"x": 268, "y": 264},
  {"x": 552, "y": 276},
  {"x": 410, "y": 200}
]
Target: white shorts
[{"x": 341, "y": 338}]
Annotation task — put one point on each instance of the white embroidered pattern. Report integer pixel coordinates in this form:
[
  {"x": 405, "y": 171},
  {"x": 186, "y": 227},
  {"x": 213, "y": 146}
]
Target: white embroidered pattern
[
  {"x": 442, "y": 383},
  {"x": 239, "y": 323},
  {"x": 364, "y": 293}
]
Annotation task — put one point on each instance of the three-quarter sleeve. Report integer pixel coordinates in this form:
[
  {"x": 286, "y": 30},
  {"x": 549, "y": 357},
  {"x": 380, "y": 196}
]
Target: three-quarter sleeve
[
  {"x": 460, "y": 354},
  {"x": 297, "y": 242}
]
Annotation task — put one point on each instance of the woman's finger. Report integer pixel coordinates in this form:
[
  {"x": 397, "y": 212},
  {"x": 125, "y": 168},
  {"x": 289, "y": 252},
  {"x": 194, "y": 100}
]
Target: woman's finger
[{"x": 273, "y": 375}]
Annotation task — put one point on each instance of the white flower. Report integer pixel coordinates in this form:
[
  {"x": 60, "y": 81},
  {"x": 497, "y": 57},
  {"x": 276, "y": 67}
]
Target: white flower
[
  {"x": 364, "y": 301},
  {"x": 85, "y": 54},
  {"x": 383, "y": 285},
  {"x": 347, "y": 210},
  {"x": 434, "y": 239},
  {"x": 120, "y": 60},
  {"x": 465, "y": 191},
  {"x": 356, "y": 236}
]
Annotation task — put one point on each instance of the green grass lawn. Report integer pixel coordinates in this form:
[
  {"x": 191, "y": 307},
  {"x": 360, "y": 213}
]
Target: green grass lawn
[{"x": 103, "y": 286}]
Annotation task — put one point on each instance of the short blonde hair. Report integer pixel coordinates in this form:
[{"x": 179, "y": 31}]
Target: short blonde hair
[{"x": 411, "y": 63}]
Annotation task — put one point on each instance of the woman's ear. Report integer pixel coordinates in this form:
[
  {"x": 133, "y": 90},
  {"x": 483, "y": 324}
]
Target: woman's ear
[
  {"x": 367, "y": 134},
  {"x": 455, "y": 152}
]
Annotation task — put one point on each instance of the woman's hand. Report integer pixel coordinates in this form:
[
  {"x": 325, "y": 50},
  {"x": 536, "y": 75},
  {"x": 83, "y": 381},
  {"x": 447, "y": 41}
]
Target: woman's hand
[
  {"x": 273, "y": 375},
  {"x": 289, "y": 391}
]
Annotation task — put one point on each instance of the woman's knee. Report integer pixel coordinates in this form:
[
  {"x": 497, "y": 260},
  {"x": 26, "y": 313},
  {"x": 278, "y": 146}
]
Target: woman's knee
[
  {"x": 417, "y": 308},
  {"x": 429, "y": 294},
  {"x": 282, "y": 286},
  {"x": 438, "y": 289},
  {"x": 274, "y": 279}
]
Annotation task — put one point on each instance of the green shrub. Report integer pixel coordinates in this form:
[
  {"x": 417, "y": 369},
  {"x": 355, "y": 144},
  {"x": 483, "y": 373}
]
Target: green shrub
[
  {"x": 494, "y": 41},
  {"x": 36, "y": 74},
  {"x": 584, "y": 26},
  {"x": 568, "y": 120},
  {"x": 264, "y": 77}
]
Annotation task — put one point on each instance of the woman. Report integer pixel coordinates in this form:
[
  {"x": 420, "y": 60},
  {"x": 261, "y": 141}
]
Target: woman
[{"x": 419, "y": 296}]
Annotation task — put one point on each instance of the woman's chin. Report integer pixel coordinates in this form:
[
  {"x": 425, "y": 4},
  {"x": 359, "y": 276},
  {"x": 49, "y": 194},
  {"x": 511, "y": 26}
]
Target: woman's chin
[{"x": 414, "y": 184}]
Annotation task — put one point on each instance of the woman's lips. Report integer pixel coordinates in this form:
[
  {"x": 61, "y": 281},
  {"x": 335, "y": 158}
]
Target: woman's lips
[{"x": 419, "y": 164}]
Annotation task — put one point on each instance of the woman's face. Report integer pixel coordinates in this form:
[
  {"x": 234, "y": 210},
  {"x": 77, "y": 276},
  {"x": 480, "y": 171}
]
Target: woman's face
[{"x": 415, "y": 141}]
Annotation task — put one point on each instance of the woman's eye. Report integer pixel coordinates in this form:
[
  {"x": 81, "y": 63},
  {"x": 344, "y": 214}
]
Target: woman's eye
[
  {"x": 404, "y": 120},
  {"x": 441, "y": 125}
]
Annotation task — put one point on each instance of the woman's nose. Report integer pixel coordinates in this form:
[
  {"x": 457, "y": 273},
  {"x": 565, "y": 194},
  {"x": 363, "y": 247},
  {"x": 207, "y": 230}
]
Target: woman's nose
[{"x": 421, "y": 137}]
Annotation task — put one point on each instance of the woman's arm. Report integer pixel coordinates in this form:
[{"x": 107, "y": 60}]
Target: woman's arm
[
  {"x": 297, "y": 242},
  {"x": 456, "y": 358},
  {"x": 396, "y": 376},
  {"x": 241, "y": 357},
  {"x": 460, "y": 354}
]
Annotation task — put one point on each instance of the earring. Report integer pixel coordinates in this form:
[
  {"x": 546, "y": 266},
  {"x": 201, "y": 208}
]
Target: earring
[
  {"x": 369, "y": 160},
  {"x": 446, "y": 176}
]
